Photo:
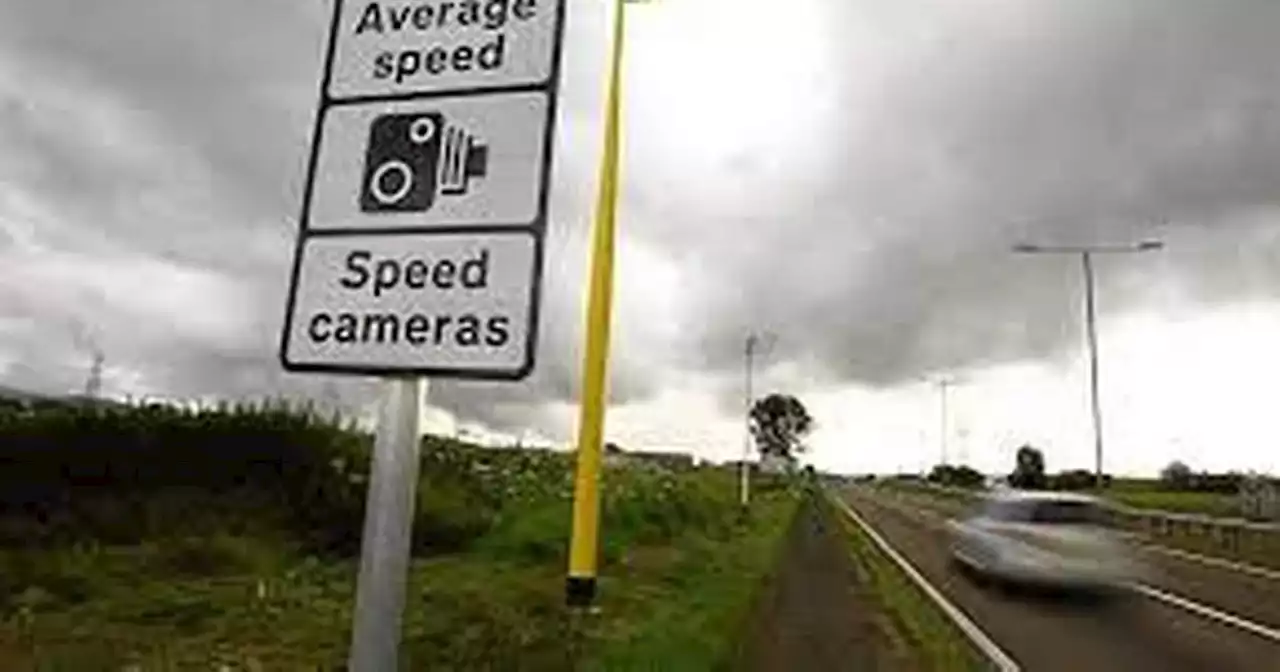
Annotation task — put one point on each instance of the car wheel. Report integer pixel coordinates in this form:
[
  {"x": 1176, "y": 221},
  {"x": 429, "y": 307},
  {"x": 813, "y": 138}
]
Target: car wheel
[
  {"x": 1119, "y": 599},
  {"x": 966, "y": 567}
]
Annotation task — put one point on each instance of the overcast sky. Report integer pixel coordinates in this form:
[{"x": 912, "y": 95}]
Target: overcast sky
[{"x": 847, "y": 175}]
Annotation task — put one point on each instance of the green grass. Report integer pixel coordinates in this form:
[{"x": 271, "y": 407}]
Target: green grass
[
  {"x": 244, "y": 602},
  {"x": 175, "y": 540},
  {"x": 683, "y": 608},
  {"x": 922, "y": 631},
  {"x": 1207, "y": 503},
  {"x": 463, "y": 611}
]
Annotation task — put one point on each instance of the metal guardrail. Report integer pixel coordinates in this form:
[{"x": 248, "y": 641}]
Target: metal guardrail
[{"x": 1196, "y": 518}]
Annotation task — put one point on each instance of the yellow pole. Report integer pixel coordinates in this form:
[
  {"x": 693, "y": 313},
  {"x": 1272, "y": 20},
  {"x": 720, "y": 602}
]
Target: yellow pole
[{"x": 580, "y": 587}]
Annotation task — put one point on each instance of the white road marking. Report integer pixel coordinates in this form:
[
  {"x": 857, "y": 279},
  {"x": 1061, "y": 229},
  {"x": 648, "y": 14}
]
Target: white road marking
[
  {"x": 1230, "y": 565},
  {"x": 1209, "y": 612},
  {"x": 980, "y": 639}
]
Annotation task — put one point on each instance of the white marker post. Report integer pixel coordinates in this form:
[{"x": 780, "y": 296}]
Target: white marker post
[
  {"x": 388, "y": 528},
  {"x": 420, "y": 246}
]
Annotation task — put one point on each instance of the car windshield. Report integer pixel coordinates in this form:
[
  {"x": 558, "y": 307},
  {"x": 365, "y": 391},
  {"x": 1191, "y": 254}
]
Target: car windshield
[
  {"x": 1045, "y": 512},
  {"x": 1064, "y": 512}
]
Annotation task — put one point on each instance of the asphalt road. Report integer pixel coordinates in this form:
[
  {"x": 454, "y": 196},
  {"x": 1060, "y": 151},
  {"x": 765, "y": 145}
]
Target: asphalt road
[
  {"x": 1256, "y": 598},
  {"x": 1046, "y": 633}
]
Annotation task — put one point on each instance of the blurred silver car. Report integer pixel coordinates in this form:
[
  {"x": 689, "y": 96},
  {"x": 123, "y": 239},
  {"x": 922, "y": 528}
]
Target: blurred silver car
[{"x": 1050, "y": 539}]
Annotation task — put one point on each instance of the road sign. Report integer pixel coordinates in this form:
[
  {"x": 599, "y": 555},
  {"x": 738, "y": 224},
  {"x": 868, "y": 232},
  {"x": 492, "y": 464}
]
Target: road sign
[{"x": 424, "y": 212}]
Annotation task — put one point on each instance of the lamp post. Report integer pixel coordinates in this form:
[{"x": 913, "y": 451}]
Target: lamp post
[
  {"x": 1086, "y": 254},
  {"x": 944, "y": 385},
  {"x": 752, "y": 346}
]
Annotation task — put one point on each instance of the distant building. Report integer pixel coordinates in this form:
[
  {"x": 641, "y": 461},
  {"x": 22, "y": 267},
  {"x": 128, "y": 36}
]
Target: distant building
[
  {"x": 615, "y": 456},
  {"x": 772, "y": 463},
  {"x": 1259, "y": 497},
  {"x": 670, "y": 460},
  {"x": 14, "y": 398}
]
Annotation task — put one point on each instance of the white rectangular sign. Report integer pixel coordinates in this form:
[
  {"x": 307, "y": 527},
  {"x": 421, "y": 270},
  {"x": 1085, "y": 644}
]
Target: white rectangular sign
[
  {"x": 438, "y": 46},
  {"x": 425, "y": 206},
  {"x": 437, "y": 161},
  {"x": 406, "y": 303}
]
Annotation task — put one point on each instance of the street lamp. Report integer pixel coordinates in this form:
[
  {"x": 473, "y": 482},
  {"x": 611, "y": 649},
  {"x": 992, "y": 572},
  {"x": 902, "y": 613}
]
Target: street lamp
[
  {"x": 944, "y": 384},
  {"x": 753, "y": 343},
  {"x": 1086, "y": 253}
]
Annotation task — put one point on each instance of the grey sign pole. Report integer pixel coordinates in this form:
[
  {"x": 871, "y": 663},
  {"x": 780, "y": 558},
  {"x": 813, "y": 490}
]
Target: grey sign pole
[{"x": 388, "y": 526}]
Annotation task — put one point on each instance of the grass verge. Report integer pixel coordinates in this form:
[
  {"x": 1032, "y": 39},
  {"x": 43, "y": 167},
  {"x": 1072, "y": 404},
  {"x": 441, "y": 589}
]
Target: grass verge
[
  {"x": 1207, "y": 503},
  {"x": 162, "y": 538},
  {"x": 251, "y": 603},
  {"x": 684, "y": 607},
  {"x": 926, "y": 634}
]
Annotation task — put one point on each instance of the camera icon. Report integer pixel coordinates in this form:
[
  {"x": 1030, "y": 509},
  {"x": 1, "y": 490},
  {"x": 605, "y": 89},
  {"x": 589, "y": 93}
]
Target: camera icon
[{"x": 412, "y": 159}]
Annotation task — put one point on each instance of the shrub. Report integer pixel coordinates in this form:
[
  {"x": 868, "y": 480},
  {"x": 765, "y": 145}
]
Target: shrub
[
  {"x": 125, "y": 474},
  {"x": 1075, "y": 479},
  {"x": 536, "y": 534},
  {"x": 28, "y": 578},
  {"x": 449, "y": 516},
  {"x": 961, "y": 476},
  {"x": 205, "y": 477},
  {"x": 216, "y": 554}
]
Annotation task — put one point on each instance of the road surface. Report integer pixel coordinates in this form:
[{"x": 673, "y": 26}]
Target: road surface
[
  {"x": 1057, "y": 634},
  {"x": 1252, "y": 593}
]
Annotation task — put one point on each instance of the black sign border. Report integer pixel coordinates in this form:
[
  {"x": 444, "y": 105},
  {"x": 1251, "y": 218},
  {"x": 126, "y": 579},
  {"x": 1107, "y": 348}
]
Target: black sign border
[{"x": 537, "y": 228}]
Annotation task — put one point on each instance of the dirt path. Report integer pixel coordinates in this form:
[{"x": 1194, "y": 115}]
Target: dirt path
[{"x": 812, "y": 616}]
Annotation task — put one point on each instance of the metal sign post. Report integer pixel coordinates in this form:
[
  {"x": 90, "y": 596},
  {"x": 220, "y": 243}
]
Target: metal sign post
[
  {"x": 388, "y": 527},
  {"x": 421, "y": 238}
]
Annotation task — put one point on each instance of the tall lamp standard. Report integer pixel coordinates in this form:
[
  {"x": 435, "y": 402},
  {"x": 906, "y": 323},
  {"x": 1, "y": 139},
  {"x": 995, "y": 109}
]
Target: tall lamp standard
[{"x": 1086, "y": 254}]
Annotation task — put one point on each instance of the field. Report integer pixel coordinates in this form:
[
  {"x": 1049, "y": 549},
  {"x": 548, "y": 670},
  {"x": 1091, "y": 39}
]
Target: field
[
  {"x": 1148, "y": 494},
  {"x": 174, "y": 539}
]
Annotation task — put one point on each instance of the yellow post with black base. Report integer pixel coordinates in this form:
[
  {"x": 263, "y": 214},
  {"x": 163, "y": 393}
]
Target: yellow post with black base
[{"x": 580, "y": 587}]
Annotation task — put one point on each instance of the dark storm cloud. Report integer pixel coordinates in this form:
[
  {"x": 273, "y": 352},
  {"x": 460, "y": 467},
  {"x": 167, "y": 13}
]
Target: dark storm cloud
[
  {"x": 1077, "y": 122},
  {"x": 216, "y": 99},
  {"x": 228, "y": 80},
  {"x": 882, "y": 256}
]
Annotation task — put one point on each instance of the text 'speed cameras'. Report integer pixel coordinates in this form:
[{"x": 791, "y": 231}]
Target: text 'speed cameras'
[{"x": 412, "y": 159}]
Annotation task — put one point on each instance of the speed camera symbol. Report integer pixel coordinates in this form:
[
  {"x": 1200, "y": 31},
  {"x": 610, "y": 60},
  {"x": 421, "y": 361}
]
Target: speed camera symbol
[{"x": 412, "y": 159}]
